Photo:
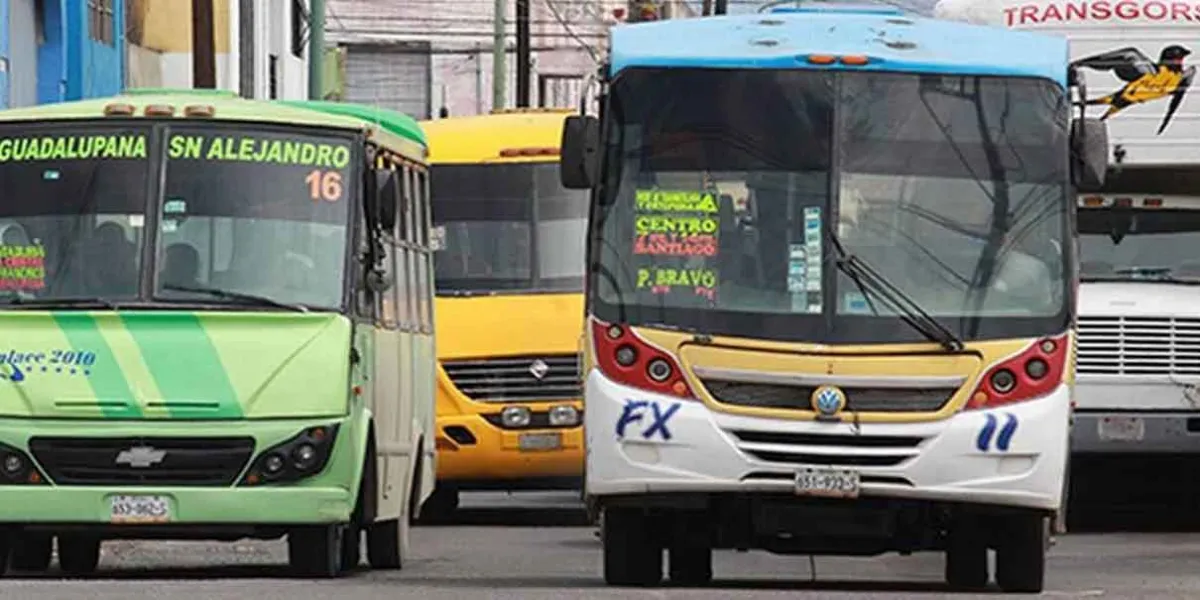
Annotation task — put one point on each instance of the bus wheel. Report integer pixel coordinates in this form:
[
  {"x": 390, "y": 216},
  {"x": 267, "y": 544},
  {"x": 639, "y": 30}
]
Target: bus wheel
[
  {"x": 441, "y": 504},
  {"x": 316, "y": 551},
  {"x": 633, "y": 555},
  {"x": 966, "y": 561},
  {"x": 5, "y": 547},
  {"x": 1021, "y": 554},
  {"x": 78, "y": 554},
  {"x": 31, "y": 552}
]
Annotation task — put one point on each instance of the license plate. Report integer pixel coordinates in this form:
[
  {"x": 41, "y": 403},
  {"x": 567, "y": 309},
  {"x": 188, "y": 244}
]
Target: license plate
[
  {"x": 537, "y": 442},
  {"x": 139, "y": 509},
  {"x": 1121, "y": 429},
  {"x": 832, "y": 483}
]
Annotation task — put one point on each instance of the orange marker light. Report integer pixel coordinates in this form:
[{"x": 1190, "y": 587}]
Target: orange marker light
[
  {"x": 357, "y": 390},
  {"x": 855, "y": 60},
  {"x": 822, "y": 59},
  {"x": 159, "y": 110},
  {"x": 1093, "y": 201},
  {"x": 252, "y": 479},
  {"x": 197, "y": 110},
  {"x": 679, "y": 388},
  {"x": 511, "y": 152},
  {"x": 979, "y": 399},
  {"x": 317, "y": 434},
  {"x": 119, "y": 109},
  {"x": 34, "y": 477},
  {"x": 1123, "y": 202},
  {"x": 1152, "y": 202}
]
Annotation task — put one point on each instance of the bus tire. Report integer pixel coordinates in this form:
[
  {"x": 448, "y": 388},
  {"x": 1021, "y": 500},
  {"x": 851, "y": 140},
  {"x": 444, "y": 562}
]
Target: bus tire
[
  {"x": 441, "y": 504},
  {"x": 316, "y": 550},
  {"x": 633, "y": 556},
  {"x": 690, "y": 565},
  {"x": 1021, "y": 554},
  {"x": 966, "y": 563},
  {"x": 387, "y": 543},
  {"x": 78, "y": 555},
  {"x": 5, "y": 549},
  {"x": 31, "y": 552}
]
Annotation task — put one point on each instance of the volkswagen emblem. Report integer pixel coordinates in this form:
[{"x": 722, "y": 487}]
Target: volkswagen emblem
[
  {"x": 828, "y": 400},
  {"x": 538, "y": 369},
  {"x": 141, "y": 457}
]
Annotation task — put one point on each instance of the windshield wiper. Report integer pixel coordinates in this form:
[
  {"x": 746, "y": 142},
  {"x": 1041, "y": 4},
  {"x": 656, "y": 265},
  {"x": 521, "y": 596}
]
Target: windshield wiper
[
  {"x": 867, "y": 278},
  {"x": 91, "y": 302},
  {"x": 226, "y": 294}
]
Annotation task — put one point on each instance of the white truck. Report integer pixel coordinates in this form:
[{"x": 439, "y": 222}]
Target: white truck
[{"x": 1137, "y": 406}]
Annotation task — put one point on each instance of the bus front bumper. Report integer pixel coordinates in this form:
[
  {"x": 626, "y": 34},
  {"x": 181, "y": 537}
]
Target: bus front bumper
[
  {"x": 641, "y": 443},
  {"x": 493, "y": 454}
]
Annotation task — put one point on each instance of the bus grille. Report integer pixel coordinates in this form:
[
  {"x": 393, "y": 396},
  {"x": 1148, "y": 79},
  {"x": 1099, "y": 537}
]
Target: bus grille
[
  {"x": 827, "y": 450},
  {"x": 1138, "y": 346},
  {"x": 517, "y": 378},
  {"x": 213, "y": 461},
  {"x": 799, "y": 397}
]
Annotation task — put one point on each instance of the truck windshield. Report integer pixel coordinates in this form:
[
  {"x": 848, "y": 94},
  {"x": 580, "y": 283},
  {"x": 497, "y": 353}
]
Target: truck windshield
[
  {"x": 1152, "y": 244},
  {"x": 72, "y": 206},
  {"x": 720, "y": 204},
  {"x": 506, "y": 227},
  {"x": 255, "y": 213}
]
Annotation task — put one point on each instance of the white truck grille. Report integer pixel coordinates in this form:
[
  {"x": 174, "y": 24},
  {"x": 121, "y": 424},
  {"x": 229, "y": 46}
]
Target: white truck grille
[{"x": 1139, "y": 346}]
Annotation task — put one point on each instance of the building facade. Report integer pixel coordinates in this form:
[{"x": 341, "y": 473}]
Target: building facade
[
  {"x": 431, "y": 57},
  {"x": 160, "y": 46},
  {"x": 57, "y": 50}
]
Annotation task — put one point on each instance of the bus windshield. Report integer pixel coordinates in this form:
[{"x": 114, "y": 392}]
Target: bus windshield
[
  {"x": 507, "y": 228},
  {"x": 720, "y": 206},
  {"x": 260, "y": 213},
  {"x": 72, "y": 206},
  {"x": 1154, "y": 244}
]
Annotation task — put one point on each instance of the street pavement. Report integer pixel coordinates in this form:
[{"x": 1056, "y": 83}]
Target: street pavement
[{"x": 533, "y": 546}]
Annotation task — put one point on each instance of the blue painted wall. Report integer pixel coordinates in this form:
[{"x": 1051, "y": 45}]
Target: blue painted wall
[
  {"x": 71, "y": 65},
  {"x": 4, "y": 53}
]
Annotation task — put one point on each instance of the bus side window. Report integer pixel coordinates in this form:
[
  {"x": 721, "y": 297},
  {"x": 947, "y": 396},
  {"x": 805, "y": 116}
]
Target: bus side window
[
  {"x": 425, "y": 256},
  {"x": 387, "y": 298},
  {"x": 403, "y": 266}
]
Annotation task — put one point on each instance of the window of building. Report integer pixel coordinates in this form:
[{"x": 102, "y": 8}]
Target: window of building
[
  {"x": 299, "y": 28},
  {"x": 101, "y": 21}
]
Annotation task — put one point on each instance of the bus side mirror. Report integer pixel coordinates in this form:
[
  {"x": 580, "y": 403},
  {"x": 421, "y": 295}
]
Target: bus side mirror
[
  {"x": 580, "y": 152},
  {"x": 1089, "y": 152},
  {"x": 387, "y": 198}
]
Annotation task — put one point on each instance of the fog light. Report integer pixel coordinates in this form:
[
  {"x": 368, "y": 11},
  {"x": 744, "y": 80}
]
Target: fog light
[
  {"x": 614, "y": 331},
  {"x": 515, "y": 416},
  {"x": 1048, "y": 346},
  {"x": 564, "y": 416},
  {"x": 13, "y": 464},
  {"x": 273, "y": 464},
  {"x": 1004, "y": 381}
]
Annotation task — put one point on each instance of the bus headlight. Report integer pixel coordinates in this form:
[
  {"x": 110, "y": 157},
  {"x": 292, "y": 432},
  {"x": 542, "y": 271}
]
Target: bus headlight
[
  {"x": 16, "y": 468},
  {"x": 564, "y": 415},
  {"x": 299, "y": 457},
  {"x": 515, "y": 416}
]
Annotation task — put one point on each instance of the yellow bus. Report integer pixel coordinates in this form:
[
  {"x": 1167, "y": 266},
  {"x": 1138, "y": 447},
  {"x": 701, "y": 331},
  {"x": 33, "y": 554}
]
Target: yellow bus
[{"x": 509, "y": 278}]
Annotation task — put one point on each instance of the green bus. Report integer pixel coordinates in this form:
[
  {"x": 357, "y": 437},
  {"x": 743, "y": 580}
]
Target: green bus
[{"x": 216, "y": 322}]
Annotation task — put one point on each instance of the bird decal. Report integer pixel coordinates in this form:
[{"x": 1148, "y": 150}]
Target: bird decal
[{"x": 1144, "y": 79}]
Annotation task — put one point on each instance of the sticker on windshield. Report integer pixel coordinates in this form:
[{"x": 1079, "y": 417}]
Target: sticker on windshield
[
  {"x": 807, "y": 297},
  {"x": 437, "y": 237},
  {"x": 22, "y": 267},
  {"x": 174, "y": 206},
  {"x": 855, "y": 303}
]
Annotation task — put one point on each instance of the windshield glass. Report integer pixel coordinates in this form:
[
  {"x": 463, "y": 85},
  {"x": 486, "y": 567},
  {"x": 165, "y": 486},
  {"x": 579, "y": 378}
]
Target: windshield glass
[
  {"x": 953, "y": 188},
  {"x": 1139, "y": 244},
  {"x": 72, "y": 200},
  {"x": 507, "y": 227},
  {"x": 262, "y": 213}
]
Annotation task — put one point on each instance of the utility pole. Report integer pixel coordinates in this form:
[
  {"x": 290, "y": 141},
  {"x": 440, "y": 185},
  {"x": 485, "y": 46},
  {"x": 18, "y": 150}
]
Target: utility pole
[
  {"x": 478, "y": 79},
  {"x": 204, "y": 61},
  {"x": 523, "y": 59},
  {"x": 722, "y": 7},
  {"x": 246, "y": 60},
  {"x": 316, "y": 48},
  {"x": 499, "y": 53}
]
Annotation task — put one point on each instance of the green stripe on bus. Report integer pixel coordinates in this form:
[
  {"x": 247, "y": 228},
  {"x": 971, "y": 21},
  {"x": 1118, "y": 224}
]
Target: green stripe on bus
[
  {"x": 113, "y": 394},
  {"x": 185, "y": 365}
]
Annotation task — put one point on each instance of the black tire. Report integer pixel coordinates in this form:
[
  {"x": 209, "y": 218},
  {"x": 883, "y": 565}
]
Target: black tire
[
  {"x": 351, "y": 547},
  {"x": 5, "y": 547},
  {"x": 690, "y": 565},
  {"x": 633, "y": 555},
  {"x": 31, "y": 552},
  {"x": 1021, "y": 554},
  {"x": 316, "y": 551},
  {"x": 387, "y": 544},
  {"x": 440, "y": 505},
  {"x": 78, "y": 555},
  {"x": 966, "y": 565}
]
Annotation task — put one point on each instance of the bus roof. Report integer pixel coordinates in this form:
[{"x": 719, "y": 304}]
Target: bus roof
[
  {"x": 893, "y": 40},
  {"x": 395, "y": 130},
  {"x": 482, "y": 138}
]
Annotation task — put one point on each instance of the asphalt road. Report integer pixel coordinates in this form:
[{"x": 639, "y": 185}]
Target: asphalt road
[{"x": 532, "y": 547}]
